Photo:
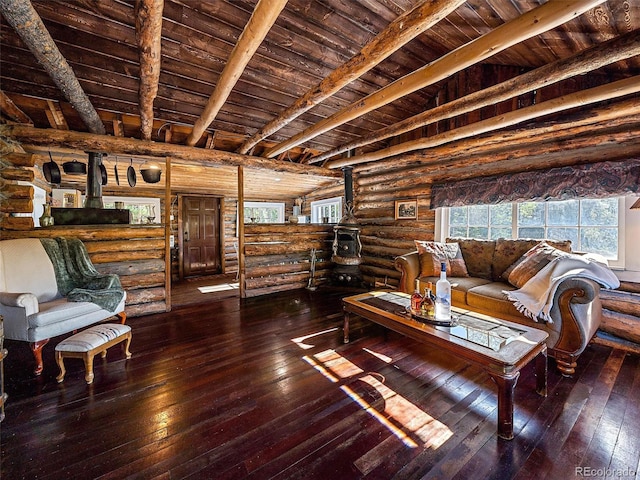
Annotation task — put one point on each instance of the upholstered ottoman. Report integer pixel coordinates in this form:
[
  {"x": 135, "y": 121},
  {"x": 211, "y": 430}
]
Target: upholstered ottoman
[{"x": 88, "y": 343}]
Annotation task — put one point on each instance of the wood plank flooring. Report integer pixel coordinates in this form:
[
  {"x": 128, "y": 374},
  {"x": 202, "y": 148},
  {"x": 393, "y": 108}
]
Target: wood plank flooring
[
  {"x": 264, "y": 388},
  {"x": 196, "y": 290}
]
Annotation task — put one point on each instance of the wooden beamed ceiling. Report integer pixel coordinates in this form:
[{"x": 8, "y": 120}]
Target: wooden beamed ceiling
[{"x": 304, "y": 81}]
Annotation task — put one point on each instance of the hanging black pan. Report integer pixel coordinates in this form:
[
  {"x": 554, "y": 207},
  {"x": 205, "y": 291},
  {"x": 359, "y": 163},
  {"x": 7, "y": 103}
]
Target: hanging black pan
[
  {"x": 103, "y": 173},
  {"x": 131, "y": 175},
  {"x": 51, "y": 171},
  {"x": 115, "y": 171}
]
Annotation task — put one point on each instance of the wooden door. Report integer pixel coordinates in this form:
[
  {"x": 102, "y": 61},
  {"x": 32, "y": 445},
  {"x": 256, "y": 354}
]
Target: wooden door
[{"x": 201, "y": 236}]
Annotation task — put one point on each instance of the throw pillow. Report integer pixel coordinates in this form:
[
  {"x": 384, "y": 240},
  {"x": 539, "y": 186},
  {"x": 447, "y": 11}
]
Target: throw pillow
[
  {"x": 477, "y": 254},
  {"x": 532, "y": 262},
  {"x": 432, "y": 254},
  {"x": 456, "y": 260},
  {"x": 508, "y": 252}
]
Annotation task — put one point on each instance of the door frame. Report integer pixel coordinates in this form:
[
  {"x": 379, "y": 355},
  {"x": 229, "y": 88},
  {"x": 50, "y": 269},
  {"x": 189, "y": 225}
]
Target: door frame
[{"x": 180, "y": 239}]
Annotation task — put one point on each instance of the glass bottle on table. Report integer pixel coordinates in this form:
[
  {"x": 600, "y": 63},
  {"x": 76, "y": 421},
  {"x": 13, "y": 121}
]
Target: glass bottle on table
[
  {"x": 443, "y": 296},
  {"x": 431, "y": 294},
  {"x": 428, "y": 308},
  {"x": 416, "y": 298}
]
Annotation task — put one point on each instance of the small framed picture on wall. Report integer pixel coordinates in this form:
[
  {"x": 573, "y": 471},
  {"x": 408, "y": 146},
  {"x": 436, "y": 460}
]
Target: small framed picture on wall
[{"x": 406, "y": 209}]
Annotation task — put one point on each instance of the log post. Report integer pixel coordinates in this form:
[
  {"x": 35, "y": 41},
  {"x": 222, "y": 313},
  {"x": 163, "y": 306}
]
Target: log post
[{"x": 148, "y": 15}]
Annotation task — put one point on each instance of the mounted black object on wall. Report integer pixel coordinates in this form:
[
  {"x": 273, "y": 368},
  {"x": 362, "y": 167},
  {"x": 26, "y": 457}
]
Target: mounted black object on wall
[
  {"x": 51, "y": 171},
  {"x": 150, "y": 172},
  {"x": 74, "y": 168}
]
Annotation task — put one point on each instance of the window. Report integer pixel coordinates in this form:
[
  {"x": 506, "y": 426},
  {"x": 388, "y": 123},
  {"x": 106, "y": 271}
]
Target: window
[
  {"x": 481, "y": 221},
  {"x": 143, "y": 209},
  {"x": 263, "y": 212},
  {"x": 592, "y": 225},
  {"x": 329, "y": 209}
]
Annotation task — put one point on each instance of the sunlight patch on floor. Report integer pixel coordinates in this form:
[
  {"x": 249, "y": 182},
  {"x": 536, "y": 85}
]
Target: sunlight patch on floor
[
  {"x": 219, "y": 288},
  {"x": 380, "y": 356},
  {"x": 301, "y": 341},
  {"x": 408, "y": 422}
]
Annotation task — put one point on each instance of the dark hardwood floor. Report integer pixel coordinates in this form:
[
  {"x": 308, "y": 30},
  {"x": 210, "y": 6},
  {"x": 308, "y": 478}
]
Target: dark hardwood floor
[
  {"x": 196, "y": 290},
  {"x": 264, "y": 388}
]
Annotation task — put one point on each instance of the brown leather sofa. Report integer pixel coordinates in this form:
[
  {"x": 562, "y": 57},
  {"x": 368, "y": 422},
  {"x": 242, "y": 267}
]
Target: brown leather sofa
[{"x": 576, "y": 311}]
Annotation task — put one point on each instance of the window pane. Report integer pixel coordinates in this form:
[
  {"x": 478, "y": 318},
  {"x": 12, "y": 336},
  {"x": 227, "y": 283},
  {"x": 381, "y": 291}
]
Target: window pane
[
  {"x": 500, "y": 232},
  {"x": 602, "y": 211},
  {"x": 600, "y": 240},
  {"x": 479, "y": 232},
  {"x": 563, "y": 213},
  {"x": 478, "y": 215},
  {"x": 501, "y": 214},
  {"x": 531, "y": 232},
  {"x": 260, "y": 215},
  {"x": 458, "y": 216},
  {"x": 458, "y": 231},
  {"x": 559, "y": 233},
  {"x": 531, "y": 213}
]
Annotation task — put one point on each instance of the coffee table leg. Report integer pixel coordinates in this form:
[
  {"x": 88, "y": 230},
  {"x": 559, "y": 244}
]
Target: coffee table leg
[
  {"x": 346, "y": 327},
  {"x": 506, "y": 387},
  {"x": 541, "y": 373}
]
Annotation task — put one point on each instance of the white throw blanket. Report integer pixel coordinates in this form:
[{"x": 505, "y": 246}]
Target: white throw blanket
[{"x": 535, "y": 298}]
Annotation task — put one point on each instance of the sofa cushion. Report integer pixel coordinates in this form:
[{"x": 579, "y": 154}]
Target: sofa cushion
[
  {"x": 489, "y": 297},
  {"x": 532, "y": 262},
  {"x": 60, "y": 310},
  {"x": 507, "y": 252},
  {"x": 432, "y": 254},
  {"x": 459, "y": 286},
  {"x": 477, "y": 254}
]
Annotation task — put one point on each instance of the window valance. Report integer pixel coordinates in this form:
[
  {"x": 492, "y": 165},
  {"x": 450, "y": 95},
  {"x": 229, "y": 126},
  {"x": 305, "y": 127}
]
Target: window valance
[{"x": 596, "y": 180}]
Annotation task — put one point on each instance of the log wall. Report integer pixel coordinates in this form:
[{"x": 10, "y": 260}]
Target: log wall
[
  {"x": 378, "y": 186},
  {"x": 278, "y": 256},
  {"x": 621, "y": 312}
]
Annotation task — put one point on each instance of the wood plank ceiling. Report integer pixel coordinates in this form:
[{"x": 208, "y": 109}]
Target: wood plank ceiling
[{"x": 298, "y": 81}]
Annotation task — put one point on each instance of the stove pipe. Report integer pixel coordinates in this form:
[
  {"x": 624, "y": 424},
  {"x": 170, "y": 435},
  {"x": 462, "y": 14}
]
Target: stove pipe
[
  {"x": 348, "y": 218},
  {"x": 94, "y": 181}
]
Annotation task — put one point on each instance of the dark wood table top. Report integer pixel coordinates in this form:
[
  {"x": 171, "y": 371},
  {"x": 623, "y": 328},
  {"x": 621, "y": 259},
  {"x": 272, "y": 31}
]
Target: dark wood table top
[{"x": 389, "y": 309}]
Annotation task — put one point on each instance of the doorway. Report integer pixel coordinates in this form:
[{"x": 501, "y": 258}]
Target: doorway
[{"x": 200, "y": 233}]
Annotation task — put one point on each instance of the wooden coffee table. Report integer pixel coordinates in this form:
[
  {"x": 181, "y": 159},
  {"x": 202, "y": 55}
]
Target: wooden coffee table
[{"x": 499, "y": 347}]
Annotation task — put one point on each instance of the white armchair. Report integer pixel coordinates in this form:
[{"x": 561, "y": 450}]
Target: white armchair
[{"x": 32, "y": 307}]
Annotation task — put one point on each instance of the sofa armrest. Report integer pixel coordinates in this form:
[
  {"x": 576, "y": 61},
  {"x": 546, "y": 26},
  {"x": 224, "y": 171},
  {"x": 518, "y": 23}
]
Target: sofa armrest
[
  {"x": 28, "y": 301},
  {"x": 409, "y": 266},
  {"x": 577, "y": 307}
]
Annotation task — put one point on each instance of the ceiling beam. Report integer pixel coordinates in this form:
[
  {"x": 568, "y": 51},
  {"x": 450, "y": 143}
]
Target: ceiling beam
[
  {"x": 530, "y": 24},
  {"x": 398, "y": 33},
  {"x": 264, "y": 16},
  {"x": 609, "y": 91},
  {"x": 23, "y": 18},
  {"x": 605, "y": 53},
  {"x": 11, "y": 111},
  {"x": 148, "y": 15},
  {"x": 39, "y": 137},
  {"x": 610, "y": 122}
]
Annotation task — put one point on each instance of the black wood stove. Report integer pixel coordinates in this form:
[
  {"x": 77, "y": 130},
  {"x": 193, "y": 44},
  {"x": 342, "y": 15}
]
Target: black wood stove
[{"x": 346, "y": 241}]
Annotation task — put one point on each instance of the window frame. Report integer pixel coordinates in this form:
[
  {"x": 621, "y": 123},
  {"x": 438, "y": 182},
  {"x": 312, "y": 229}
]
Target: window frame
[
  {"x": 443, "y": 220},
  {"x": 155, "y": 202},
  {"x": 317, "y": 204},
  {"x": 279, "y": 206}
]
